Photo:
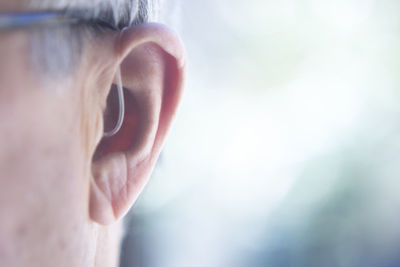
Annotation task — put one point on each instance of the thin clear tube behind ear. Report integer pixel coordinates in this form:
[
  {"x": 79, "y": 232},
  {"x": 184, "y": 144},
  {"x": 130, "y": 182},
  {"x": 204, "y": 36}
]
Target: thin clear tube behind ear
[{"x": 121, "y": 102}]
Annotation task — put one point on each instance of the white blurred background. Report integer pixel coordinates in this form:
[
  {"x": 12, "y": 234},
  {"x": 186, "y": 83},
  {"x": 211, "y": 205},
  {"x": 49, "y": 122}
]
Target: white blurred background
[{"x": 286, "y": 148}]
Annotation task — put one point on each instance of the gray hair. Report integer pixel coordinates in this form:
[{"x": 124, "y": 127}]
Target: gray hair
[
  {"x": 131, "y": 11},
  {"x": 63, "y": 45}
]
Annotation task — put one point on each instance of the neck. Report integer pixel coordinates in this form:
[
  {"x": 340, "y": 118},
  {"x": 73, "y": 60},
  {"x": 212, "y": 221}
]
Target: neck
[{"x": 108, "y": 246}]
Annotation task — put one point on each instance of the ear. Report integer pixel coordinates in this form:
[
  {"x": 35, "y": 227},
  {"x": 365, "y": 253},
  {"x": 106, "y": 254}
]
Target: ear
[{"x": 152, "y": 63}]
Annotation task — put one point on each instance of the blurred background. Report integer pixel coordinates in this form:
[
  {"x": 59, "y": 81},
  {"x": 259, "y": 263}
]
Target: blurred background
[{"x": 286, "y": 150}]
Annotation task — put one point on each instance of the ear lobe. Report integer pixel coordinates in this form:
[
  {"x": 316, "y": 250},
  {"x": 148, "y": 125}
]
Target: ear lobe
[{"x": 152, "y": 67}]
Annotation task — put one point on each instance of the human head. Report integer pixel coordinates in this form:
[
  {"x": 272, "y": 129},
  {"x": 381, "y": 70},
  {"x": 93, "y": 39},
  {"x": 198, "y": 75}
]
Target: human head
[{"x": 64, "y": 189}]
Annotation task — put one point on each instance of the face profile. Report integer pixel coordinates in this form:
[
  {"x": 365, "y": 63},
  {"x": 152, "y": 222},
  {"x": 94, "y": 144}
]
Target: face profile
[{"x": 88, "y": 92}]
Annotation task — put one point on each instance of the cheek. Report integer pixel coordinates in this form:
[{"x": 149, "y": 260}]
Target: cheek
[{"x": 43, "y": 184}]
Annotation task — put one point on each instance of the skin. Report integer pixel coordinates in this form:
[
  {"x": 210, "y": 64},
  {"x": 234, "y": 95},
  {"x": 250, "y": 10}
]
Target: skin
[{"x": 59, "y": 204}]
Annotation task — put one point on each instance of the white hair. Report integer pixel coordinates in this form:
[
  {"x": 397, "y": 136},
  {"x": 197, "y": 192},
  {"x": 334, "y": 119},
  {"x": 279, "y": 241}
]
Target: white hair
[
  {"x": 57, "y": 50},
  {"x": 132, "y": 11}
]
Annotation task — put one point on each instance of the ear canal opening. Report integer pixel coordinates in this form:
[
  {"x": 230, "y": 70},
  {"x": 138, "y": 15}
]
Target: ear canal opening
[
  {"x": 121, "y": 103},
  {"x": 129, "y": 133}
]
